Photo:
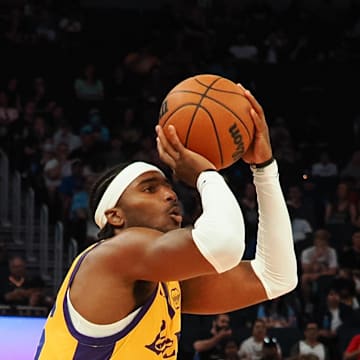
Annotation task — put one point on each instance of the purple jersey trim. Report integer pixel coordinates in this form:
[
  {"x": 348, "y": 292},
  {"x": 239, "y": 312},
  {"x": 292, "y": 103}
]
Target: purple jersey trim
[
  {"x": 83, "y": 339},
  {"x": 107, "y": 340},
  {"x": 86, "y": 352},
  {"x": 76, "y": 268},
  {"x": 171, "y": 311}
]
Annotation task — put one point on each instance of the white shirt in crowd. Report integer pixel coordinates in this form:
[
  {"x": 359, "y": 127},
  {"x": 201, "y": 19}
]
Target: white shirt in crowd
[{"x": 305, "y": 349}]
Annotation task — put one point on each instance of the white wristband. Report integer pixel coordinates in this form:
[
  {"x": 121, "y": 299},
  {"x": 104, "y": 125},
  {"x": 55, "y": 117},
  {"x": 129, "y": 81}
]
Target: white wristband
[
  {"x": 275, "y": 260},
  {"x": 219, "y": 232}
]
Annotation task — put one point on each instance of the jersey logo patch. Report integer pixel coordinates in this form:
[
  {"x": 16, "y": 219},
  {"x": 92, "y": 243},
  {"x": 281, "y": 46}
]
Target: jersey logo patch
[
  {"x": 163, "y": 345},
  {"x": 175, "y": 296}
]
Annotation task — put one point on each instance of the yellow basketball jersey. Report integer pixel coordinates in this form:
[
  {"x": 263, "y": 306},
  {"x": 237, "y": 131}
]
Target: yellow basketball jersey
[{"x": 152, "y": 334}]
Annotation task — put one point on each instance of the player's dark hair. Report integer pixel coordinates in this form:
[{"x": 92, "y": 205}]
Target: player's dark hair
[{"x": 97, "y": 191}]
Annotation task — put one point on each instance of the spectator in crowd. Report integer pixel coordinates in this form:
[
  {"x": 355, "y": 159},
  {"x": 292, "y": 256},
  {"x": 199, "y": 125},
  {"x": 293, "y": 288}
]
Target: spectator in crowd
[
  {"x": 95, "y": 123},
  {"x": 70, "y": 27},
  {"x": 280, "y": 132},
  {"x": 39, "y": 133},
  {"x": 324, "y": 167},
  {"x": 47, "y": 153},
  {"x": 275, "y": 44},
  {"x": 211, "y": 345},
  {"x": 298, "y": 206},
  {"x": 271, "y": 350},
  {"x": 88, "y": 86},
  {"x": 39, "y": 93},
  {"x": 48, "y": 191},
  {"x": 8, "y": 112},
  {"x": 64, "y": 134},
  {"x": 71, "y": 182},
  {"x": 345, "y": 283},
  {"x": 252, "y": 347},
  {"x": 312, "y": 194},
  {"x": 304, "y": 357},
  {"x": 89, "y": 91},
  {"x": 22, "y": 289},
  {"x": 91, "y": 152},
  {"x": 242, "y": 49},
  {"x": 62, "y": 155},
  {"x": 350, "y": 257},
  {"x": 114, "y": 154},
  {"x": 117, "y": 88},
  {"x": 20, "y": 130},
  {"x": 310, "y": 344},
  {"x": 4, "y": 262},
  {"x": 278, "y": 313},
  {"x": 141, "y": 61},
  {"x": 332, "y": 316},
  {"x": 78, "y": 217},
  {"x": 352, "y": 351},
  {"x": 357, "y": 220},
  {"x": 13, "y": 93},
  {"x": 284, "y": 150},
  {"x": 340, "y": 215},
  {"x": 302, "y": 232},
  {"x": 8, "y": 117},
  {"x": 352, "y": 168},
  {"x": 46, "y": 28},
  {"x": 231, "y": 348},
  {"x": 128, "y": 130},
  {"x": 325, "y": 172},
  {"x": 319, "y": 265}
]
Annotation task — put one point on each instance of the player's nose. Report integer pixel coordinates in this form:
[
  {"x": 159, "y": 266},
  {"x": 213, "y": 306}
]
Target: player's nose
[{"x": 170, "y": 194}]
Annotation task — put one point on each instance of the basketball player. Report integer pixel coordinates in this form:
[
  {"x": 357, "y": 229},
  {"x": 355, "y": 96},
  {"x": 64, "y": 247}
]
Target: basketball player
[{"x": 122, "y": 297}]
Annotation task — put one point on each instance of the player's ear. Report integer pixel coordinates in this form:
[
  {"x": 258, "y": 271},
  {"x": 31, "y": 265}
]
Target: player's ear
[{"x": 115, "y": 216}]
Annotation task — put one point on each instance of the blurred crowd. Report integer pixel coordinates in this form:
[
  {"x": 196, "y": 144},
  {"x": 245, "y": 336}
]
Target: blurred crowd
[{"x": 89, "y": 102}]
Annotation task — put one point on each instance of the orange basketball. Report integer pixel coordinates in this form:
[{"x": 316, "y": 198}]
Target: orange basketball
[{"x": 211, "y": 116}]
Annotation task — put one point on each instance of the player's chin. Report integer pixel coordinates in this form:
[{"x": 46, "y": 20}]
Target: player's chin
[
  {"x": 166, "y": 227},
  {"x": 173, "y": 227},
  {"x": 173, "y": 224}
]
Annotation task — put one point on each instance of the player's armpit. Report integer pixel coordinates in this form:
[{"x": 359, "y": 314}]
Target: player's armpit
[{"x": 218, "y": 293}]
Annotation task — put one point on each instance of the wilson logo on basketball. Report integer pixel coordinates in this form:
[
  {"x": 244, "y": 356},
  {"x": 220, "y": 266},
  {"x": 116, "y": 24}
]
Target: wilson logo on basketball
[
  {"x": 163, "y": 109},
  {"x": 238, "y": 141}
]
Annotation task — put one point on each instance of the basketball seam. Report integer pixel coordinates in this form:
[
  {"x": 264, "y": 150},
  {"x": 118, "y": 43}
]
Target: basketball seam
[
  {"x": 218, "y": 102},
  {"x": 198, "y": 105},
  {"x": 206, "y": 85},
  {"x": 211, "y": 119}
]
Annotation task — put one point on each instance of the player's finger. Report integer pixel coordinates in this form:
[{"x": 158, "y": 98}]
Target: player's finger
[
  {"x": 256, "y": 118},
  {"x": 259, "y": 121},
  {"x": 241, "y": 86},
  {"x": 163, "y": 155},
  {"x": 174, "y": 139},
  {"x": 165, "y": 143},
  {"x": 255, "y": 104}
]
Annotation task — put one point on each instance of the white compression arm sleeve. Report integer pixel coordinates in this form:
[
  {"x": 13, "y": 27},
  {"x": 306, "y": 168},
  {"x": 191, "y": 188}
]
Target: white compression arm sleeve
[
  {"x": 275, "y": 261},
  {"x": 219, "y": 231}
]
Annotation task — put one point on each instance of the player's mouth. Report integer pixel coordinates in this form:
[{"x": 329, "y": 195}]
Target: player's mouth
[{"x": 176, "y": 214}]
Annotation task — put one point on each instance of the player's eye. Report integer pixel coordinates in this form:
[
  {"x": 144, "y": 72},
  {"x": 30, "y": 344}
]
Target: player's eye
[{"x": 149, "y": 188}]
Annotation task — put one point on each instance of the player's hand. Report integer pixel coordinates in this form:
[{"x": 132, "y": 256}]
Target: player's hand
[
  {"x": 260, "y": 149},
  {"x": 185, "y": 164}
]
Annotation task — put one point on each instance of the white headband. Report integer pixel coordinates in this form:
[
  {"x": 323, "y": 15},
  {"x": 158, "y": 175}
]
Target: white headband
[{"x": 118, "y": 186}]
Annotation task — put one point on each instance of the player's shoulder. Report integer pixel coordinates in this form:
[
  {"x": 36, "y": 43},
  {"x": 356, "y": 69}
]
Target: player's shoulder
[
  {"x": 114, "y": 255},
  {"x": 125, "y": 241},
  {"x": 134, "y": 235}
]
